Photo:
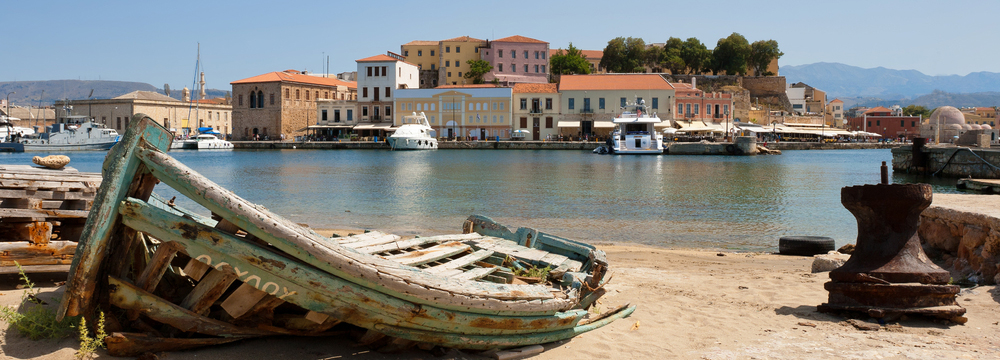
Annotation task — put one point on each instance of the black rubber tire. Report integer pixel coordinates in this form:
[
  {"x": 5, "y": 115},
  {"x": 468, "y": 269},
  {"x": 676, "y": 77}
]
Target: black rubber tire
[
  {"x": 805, "y": 245},
  {"x": 739, "y": 151},
  {"x": 730, "y": 148}
]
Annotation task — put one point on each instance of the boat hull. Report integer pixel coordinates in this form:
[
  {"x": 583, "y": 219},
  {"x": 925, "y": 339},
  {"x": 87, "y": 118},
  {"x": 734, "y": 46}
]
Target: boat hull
[
  {"x": 69, "y": 147},
  {"x": 405, "y": 143}
]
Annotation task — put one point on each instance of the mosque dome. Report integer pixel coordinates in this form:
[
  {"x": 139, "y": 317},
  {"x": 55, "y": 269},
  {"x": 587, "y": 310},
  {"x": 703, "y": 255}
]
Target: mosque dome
[
  {"x": 947, "y": 115},
  {"x": 975, "y": 126},
  {"x": 986, "y": 127},
  {"x": 952, "y": 127}
]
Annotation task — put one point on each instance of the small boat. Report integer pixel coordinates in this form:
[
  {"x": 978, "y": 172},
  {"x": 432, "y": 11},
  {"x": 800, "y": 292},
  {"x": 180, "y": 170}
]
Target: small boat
[
  {"x": 86, "y": 135},
  {"x": 7, "y": 143},
  {"x": 415, "y": 134},
  {"x": 635, "y": 131},
  {"x": 204, "y": 141},
  {"x": 169, "y": 278}
]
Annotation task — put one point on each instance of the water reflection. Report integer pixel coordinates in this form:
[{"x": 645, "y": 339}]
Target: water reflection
[{"x": 701, "y": 201}]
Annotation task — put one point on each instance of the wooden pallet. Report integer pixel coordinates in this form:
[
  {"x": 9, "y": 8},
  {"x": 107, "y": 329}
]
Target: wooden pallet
[{"x": 42, "y": 214}]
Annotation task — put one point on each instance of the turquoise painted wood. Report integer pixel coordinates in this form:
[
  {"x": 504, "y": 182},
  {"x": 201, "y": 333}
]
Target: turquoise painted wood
[
  {"x": 316, "y": 290},
  {"x": 409, "y": 283},
  {"x": 120, "y": 168}
]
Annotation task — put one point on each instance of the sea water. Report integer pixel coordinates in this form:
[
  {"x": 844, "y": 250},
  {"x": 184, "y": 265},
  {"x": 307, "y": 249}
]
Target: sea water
[{"x": 729, "y": 202}]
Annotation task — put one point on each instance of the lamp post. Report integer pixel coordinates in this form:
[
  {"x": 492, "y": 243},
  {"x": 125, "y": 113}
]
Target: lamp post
[
  {"x": 727, "y": 124},
  {"x": 8, "y": 105}
]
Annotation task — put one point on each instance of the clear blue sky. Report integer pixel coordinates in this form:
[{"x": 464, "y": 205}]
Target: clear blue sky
[{"x": 156, "y": 41}]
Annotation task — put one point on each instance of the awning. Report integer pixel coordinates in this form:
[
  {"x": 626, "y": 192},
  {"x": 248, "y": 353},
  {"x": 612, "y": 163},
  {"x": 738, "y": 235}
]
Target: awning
[
  {"x": 330, "y": 126},
  {"x": 568, "y": 124},
  {"x": 373, "y": 126},
  {"x": 603, "y": 124}
]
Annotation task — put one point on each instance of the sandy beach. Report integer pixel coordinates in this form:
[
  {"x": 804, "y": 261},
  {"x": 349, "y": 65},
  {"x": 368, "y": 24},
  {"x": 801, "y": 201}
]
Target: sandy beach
[{"x": 692, "y": 304}]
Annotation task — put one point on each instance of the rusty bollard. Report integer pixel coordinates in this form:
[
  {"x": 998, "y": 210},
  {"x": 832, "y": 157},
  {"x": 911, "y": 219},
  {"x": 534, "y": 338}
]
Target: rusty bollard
[{"x": 888, "y": 274}]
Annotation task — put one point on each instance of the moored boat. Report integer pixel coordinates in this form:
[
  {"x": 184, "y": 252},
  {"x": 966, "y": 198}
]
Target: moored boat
[
  {"x": 202, "y": 142},
  {"x": 635, "y": 131},
  {"x": 86, "y": 135},
  {"x": 415, "y": 134},
  {"x": 246, "y": 272}
]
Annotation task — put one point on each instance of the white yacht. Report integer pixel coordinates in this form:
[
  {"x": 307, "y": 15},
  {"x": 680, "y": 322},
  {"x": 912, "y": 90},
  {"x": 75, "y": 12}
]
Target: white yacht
[
  {"x": 202, "y": 142},
  {"x": 635, "y": 131},
  {"x": 415, "y": 134}
]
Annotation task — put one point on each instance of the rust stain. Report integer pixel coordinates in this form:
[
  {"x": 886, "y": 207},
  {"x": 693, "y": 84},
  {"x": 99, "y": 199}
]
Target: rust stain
[
  {"x": 272, "y": 262},
  {"x": 188, "y": 231},
  {"x": 487, "y": 323}
]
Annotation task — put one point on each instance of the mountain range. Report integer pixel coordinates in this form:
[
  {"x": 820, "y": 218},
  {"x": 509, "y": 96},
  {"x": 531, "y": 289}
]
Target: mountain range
[
  {"x": 901, "y": 87},
  {"x": 46, "y": 92}
]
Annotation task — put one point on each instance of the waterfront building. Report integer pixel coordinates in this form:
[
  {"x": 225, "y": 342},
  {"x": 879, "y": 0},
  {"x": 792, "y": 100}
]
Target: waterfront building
[
  {"x": 517, "y": 59},
  {"x": 335, "y": 119},
  {"x": 476, "y": 111},
  {"x": 536, "y": 110},
  {"x": 700, "y": 112},
  {"x": 379, "y": 77},
  {"x": 454, "y": 55},
  {"x": 425, "y": 55},
  {"x": 589, "y": 103},
  {"x": 986, "y": 116},
  {"x": 278, "y": 103},
  {"x": 179, "y": 116},
  {"x": 888, "y": 123},
  {"x": 835, "y": 113},
  {"x": 806, "y": 99}
]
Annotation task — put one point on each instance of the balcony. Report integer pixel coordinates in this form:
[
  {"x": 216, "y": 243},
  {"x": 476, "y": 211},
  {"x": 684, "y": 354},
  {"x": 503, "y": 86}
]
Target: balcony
[
  {"x": 535, "y": 110},
  {"x": 587, "y": 110}
]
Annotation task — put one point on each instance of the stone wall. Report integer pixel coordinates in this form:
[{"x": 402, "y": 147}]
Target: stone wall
[
  {"x": 759, "y": 89},
  {"x": 961, "y": 162},
  {"x": 964, "y": 231}
]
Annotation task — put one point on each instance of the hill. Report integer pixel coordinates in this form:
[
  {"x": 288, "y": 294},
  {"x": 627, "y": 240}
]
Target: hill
[
  {"x": 845, "y": 81},
  {"x": 29, "y": 92}
]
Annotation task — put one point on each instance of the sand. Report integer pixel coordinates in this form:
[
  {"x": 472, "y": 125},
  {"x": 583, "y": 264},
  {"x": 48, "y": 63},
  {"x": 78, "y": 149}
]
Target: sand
[{"x": 692, "y": 304}]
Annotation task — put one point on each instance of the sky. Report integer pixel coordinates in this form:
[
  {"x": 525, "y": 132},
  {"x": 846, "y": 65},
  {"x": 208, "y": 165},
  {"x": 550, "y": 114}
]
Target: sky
[{"x": 156, "y": 42}]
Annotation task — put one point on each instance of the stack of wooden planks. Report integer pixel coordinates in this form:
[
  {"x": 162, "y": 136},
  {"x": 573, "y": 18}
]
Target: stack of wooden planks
[{"x": 42, "y": 214}]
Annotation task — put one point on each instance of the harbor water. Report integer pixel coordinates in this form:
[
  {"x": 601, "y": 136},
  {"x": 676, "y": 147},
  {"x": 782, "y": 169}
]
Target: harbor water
[{"x": 725, "y": 202}]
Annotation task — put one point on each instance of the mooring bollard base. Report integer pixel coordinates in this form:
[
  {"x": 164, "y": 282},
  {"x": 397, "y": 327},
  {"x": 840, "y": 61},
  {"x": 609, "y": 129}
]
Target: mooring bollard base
[{"x": 888, "y": 300}]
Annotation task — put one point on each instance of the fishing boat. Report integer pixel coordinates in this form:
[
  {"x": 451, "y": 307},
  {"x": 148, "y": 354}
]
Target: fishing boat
[
  {"x": 72, "y": 136},
  {"x": 415, "y": 134},
  {"x": 635, "y": 132},
  {"x": 169, "y": 278},
  {"x": 8, "y": 132}
]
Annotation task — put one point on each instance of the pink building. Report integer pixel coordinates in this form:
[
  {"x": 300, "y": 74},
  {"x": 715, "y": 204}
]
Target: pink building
[
  {"x": 694, "y": 104},
  {"x": 517, "y": 59}
]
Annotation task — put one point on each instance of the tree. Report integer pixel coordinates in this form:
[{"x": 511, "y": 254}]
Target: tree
[
  {"x": 915, "y": 110},
  {"x": 672, "y": 56},
  {"x": 624, "y": 55},
  {"x": 571, "y": 62},
  {"x": 730, "y": 55},
  {"x": 477, "y": 68},
  {"x": 696, "y": 55},
  {"x": 761, "y": 54}
]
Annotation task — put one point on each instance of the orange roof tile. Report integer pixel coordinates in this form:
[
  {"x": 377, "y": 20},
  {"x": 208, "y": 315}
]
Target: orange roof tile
[
  {"x": 680, "y": 86},
  {"x": 216, "y": 101},
  {"x": 465, "y": 39},
  {"x": 377, "y": 58},
  {"x": 468, "y": 86},
  {"x": 295, "y": 76},
  {"x": 835, "y": 101},
  {"x": 614, "y": 82},
  {"x": 878, "y": 109},
  {"x": 421, "y": 43},
  {"x": 589, "y": 54},
  {"x": 535, "y": 88},
  {"x": 520, "y": 39}
]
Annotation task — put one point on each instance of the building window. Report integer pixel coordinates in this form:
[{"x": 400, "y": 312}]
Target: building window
[
  {"x": 500, "y": 52},
  {"x": 307, "y": 95},
  {"x": 350, "y": 115},
  {"x": 287, "y": 94},
  {"x": 687, "y": 108},
  {"x": 364, "y": 111},
  {"x": 501, "y": 108},
  {"x": 297, "y": 96},
  {"x": 119, "y": 123},
  {"x": 902, "y": 123},
  {"x": 696, "y": 108},
  {"x": 387, "y": 92},
  {"x": 600, "y": 103},
  {"x": 869, "y": 124},
  {"x": 240, "y": 101},
  {"x": 383, "y": 71},
  {"x": 708, "y": 110},
  {"x": 364, "y": 92},
  {"x": 272, "y": 98},
  {"x": 725, "y": 109},
  {"x": 513, "y": 68},
  {"x": 458, "y": 49},
  {"x": 323, "y": 115},
  {"x": 543, "y": 55},
  {"x": 459, "y": 74},
  {"x": 447, "y": 49},
  {"x": 586, "y": 104},
  {"x": 548, "y": 122},
  {"x": 369, "y": 70},
  {"x": 878, "y": 122},
  {"x": 548, "y": 104},
  {"x": 513, "y": 54},
  {"x": 536, "y": 54},
  {"x": 525, "y": 68},
  {"x": 914, "y": 124},
  {"x": 656, "y": 103},
  {"x": 388, "y": 111},
  {"x": 524, "y": 104},
  {"x": 449, "y": 74},
  {"x": 432, "y": 66},
  {"x": 420, "y": 53},
  {"x": 572, "y": 103},
  {"x": 500, "y": 67},
  {"x": 447, "y": 63},
  {"x": 525, "y": 54},
  {"x": 432, "y": 52},
  {"x": 543, "y": 69},
  {"x": 253, "y": 99},
  {"x": 406, "y": 52},
  {"x": 623, "y": 102},
  {"x": 260, "y": 100},
  {"x": 536, "y": 69}
]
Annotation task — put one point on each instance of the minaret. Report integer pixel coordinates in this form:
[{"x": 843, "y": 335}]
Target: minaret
[
  {"x": 202, "y": 86},
  {"x": 185, "y": 94}
]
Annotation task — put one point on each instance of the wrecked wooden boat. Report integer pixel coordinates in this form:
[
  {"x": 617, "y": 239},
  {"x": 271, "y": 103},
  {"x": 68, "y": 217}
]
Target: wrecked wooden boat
[
  {"x": 42, "y": 214},
  {"x": 168, "y": 278}
]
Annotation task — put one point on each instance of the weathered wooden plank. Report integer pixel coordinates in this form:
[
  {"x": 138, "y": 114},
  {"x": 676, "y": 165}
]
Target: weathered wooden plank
[
  {"x": 129, "y": 297},
  {"x": 196, "y": 269},
  {"x": 476, "y": 273},
  {"x": 370, "y": 241},
  {"x": 119, "y": 170},
  {"x": 150, "y": 276},
  {"x": 45, "y": 194},
  {"x": 13, "y": 249},
  {"x": 135, "y": 344},
  {"x": 265, "y": 306},
  {"x": 313, "y": 289},
  {"x": 209, "y": 289},
  {"x": 302, "y": 323},
  {"x": 40, "y": 214},
  {"x": 38, "y": 184},
  {"x": 445, "y": 269},
  {"x": 39, "y": 169},
  {"x": 50, "y": 176},
  {"x": 30, "y": 269},
  {"x": 242, "y": 300},
  {"x": 319, "y": 251},
  {"x": 316, "y": 317},
  {"x": 406, "y": 244},
  {"x": 434, "y": 253}
]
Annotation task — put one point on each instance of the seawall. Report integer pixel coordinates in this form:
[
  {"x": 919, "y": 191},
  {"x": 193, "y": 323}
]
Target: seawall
[
  {"x": 949, "y": 161},
  {"x": 964, "y": 230},
  {"x": 524, "y": 145}
]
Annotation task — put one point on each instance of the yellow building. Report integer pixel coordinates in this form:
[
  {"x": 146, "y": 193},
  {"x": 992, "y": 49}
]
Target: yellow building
[
  {"x": 474, "y": 111},
  {"x": 454, "y": 53},
  {"x": 425, "y": 55}
]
